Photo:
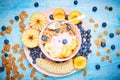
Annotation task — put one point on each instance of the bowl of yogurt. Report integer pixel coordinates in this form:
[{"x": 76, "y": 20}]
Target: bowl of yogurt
[{"x": 60, "y": 40}]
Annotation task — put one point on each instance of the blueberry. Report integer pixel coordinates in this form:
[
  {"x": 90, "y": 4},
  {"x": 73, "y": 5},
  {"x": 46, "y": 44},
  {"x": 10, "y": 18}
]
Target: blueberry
[
  {"x": 88, "y": 36},
  {"x": 57, "y": 30},
  {"x": 3, "y": 28},
  {"x": 6, "y": 55},
  {"x": 64, "y": 41},
  {"x": 112, "y": 47},
  {"x": 66, "y": 17},
  {"x": 97, "y": 66},
  {"x": 51, "y": 17},
  {"x": 94, "y": 9},
  {"x": 89, "y": 44},
  {"x": 16, "y": 18},
  {"x": 111, "y": 35},
  {"x": 84, "y": 50},
  {"x": 88, "y": 40},
  {"x": 33, "y": 57},
  {"x": 79, "y": 26},
  {"x": 75, "y": 2},
  {"x": 119, "y": 66},
  {"x": 44, "y": 38},
  {"x": 68, "y": 28},
  {"x": 34, "y": 61},
  {"x": 110, "y": 8},
  {"x": 36, "y": 4},
  {"x": 43, "y": 56},
  {"x": 103, "y": 44},
  {"x": 2, "y": 69},
  {"x": 88, "y": 31},
  {"x": 6, "y": 41},
  {"x": 104, "y": 24},
  {"x": 38, "y": 50},
  {"x": 89, "y": 50}
]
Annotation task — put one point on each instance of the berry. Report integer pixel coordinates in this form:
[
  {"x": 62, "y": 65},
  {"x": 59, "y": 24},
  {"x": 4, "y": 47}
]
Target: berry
[
  {"x": 84, "y": 51},
  {"x": 66, "y": 17},
  {"x": 112, "y": 47},
  {"x": 75, "y": 2},
  {"x": 43, "y": 56},
  {"x": 88, "y": 36},
  {"x": 34, "y": 61},
  {"x": 104, "y": 24},
  {"x": 94, "y": 9},
  {"x": 6, "y": 55},
  {"x": 103, "y": 44},
  {"x": 3, "y": 28},
  {"x": 51, "y": 17},
  {"x": 2, "y": 69},
  {"x": 97, "y": 66},
  {"x": 111, "y": 35},
  {"x": 119, "y": 66},
  {"x": 36, "y": 4},
  {"x": 110, "y": 8},
  {"x": 44, "y": 38},
  {"x": 89, "y": 51},
  {"x": 68, "y": 28},
  {"x": 88, "y": 31},
  {"x": 6, "y": 41},
  {"x": 64, "y": 41},
  {"x": 16, "y": 18},
  {"x": 57, "y": 30}
]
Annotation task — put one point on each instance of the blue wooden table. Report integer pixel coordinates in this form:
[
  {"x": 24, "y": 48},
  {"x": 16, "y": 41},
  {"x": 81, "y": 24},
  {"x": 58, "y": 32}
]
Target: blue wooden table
[{"x": 108, "y": 71}]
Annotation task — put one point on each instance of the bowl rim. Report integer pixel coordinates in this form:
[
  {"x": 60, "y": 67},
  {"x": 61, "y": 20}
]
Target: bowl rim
[{"x": 62, "y": 59}]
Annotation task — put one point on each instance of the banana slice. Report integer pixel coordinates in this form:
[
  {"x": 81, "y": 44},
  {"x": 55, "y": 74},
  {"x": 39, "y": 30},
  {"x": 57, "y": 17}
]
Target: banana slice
[
  {"x": 64, "y": 50},
  {"x": 38, "y": 20},
  {"x": 57, "y": 68},
  {"x": 68, "y": 52},
  {"x": 30, "y": 38},
  {"x": 74, "y": 44}
]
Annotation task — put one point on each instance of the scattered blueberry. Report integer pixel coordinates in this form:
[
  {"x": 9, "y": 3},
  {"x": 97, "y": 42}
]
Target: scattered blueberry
[
  {"x": 89, "y": 50},
  {"x": 36, "y": 4},
  {"x": 119, "y": 66},
  {"x": 64, "y": 41},
  {"x": 3, "y": 28},
  {"x": 57, "y": 30},
  {"x": 97, "y": 66},
  {"x": 44, "y": 38},
  {"x": 111, "y": 35},
  {"x": 112, "y": 47},
  {"x": 43, "y": 55},
  {"x": 110, "y": 8},
  {"x": 2, "y": 69},
  {"x": 68, "y": 28},
  {"x": 104, "y": 24},
  {"x": 16, "y": 18},
  {"x": 88, "y": 36},
  {"x": 88, "y": 31},
  {"x": 51, "y": 17},
  {"x": 75, "y": 2},
  {"x": 66, "y": 17},
  {"x": 94, "y": 9},
  {"x": 6, "y": 55},
  {"x": 103, "y": 44},
  {"x": 6, "y": 41}
]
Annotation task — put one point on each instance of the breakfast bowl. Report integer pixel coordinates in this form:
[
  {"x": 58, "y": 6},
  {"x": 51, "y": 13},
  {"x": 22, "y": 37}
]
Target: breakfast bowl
[{"x": 60, "y": 40}]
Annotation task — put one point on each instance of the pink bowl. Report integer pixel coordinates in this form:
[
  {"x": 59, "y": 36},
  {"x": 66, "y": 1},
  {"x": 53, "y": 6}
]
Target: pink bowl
[{"x": 78, "y": 36}]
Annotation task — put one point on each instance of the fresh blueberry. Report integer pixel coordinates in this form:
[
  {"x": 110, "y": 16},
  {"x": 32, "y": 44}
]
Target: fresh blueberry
[
  {"x": 88, "y": 40},
  {"x": 43, "y": 55},
  {"x": 16, "y": 18},
  {"x": 84, "y": 50},
  {"x": 97, "y": 66},
  {"x": 6, "y": 41},
  {"x": 111, "y": 35},
  {"x": 3, "y": 28},
  {"x": 33, "y": 57},
  {"x": 51, "y": 17},
  {"x": 38, "y": 50},
  {"x": 44, "y": 38},
  {"x": 6, "y": 55},
  {"x": 34, "y": 61},
  {"x": 110, "y": 8},
  {"x": 119, "y": 66},
  {"x": 104, "y": 24},
  {"x": 68, "y": 28},
  {"x": 112, "y": 47},
  {"x": 57, "y": 30},
  {"x": 88, "y": 31},
  {"x": 89, "y": 50},
  {"x": 75, "y": 2},
  {"x": 94, "y": 9},
  {"x": 103, "y": 44},
  {"x": 2, "y": 69},
  {"x": 88, "y": 36},
  {"x": 36, "y": 4},
  {"x": 64, "y": 41},
  {"x": 66, "y": 17},
  {"x": 89, "y": 44}
]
